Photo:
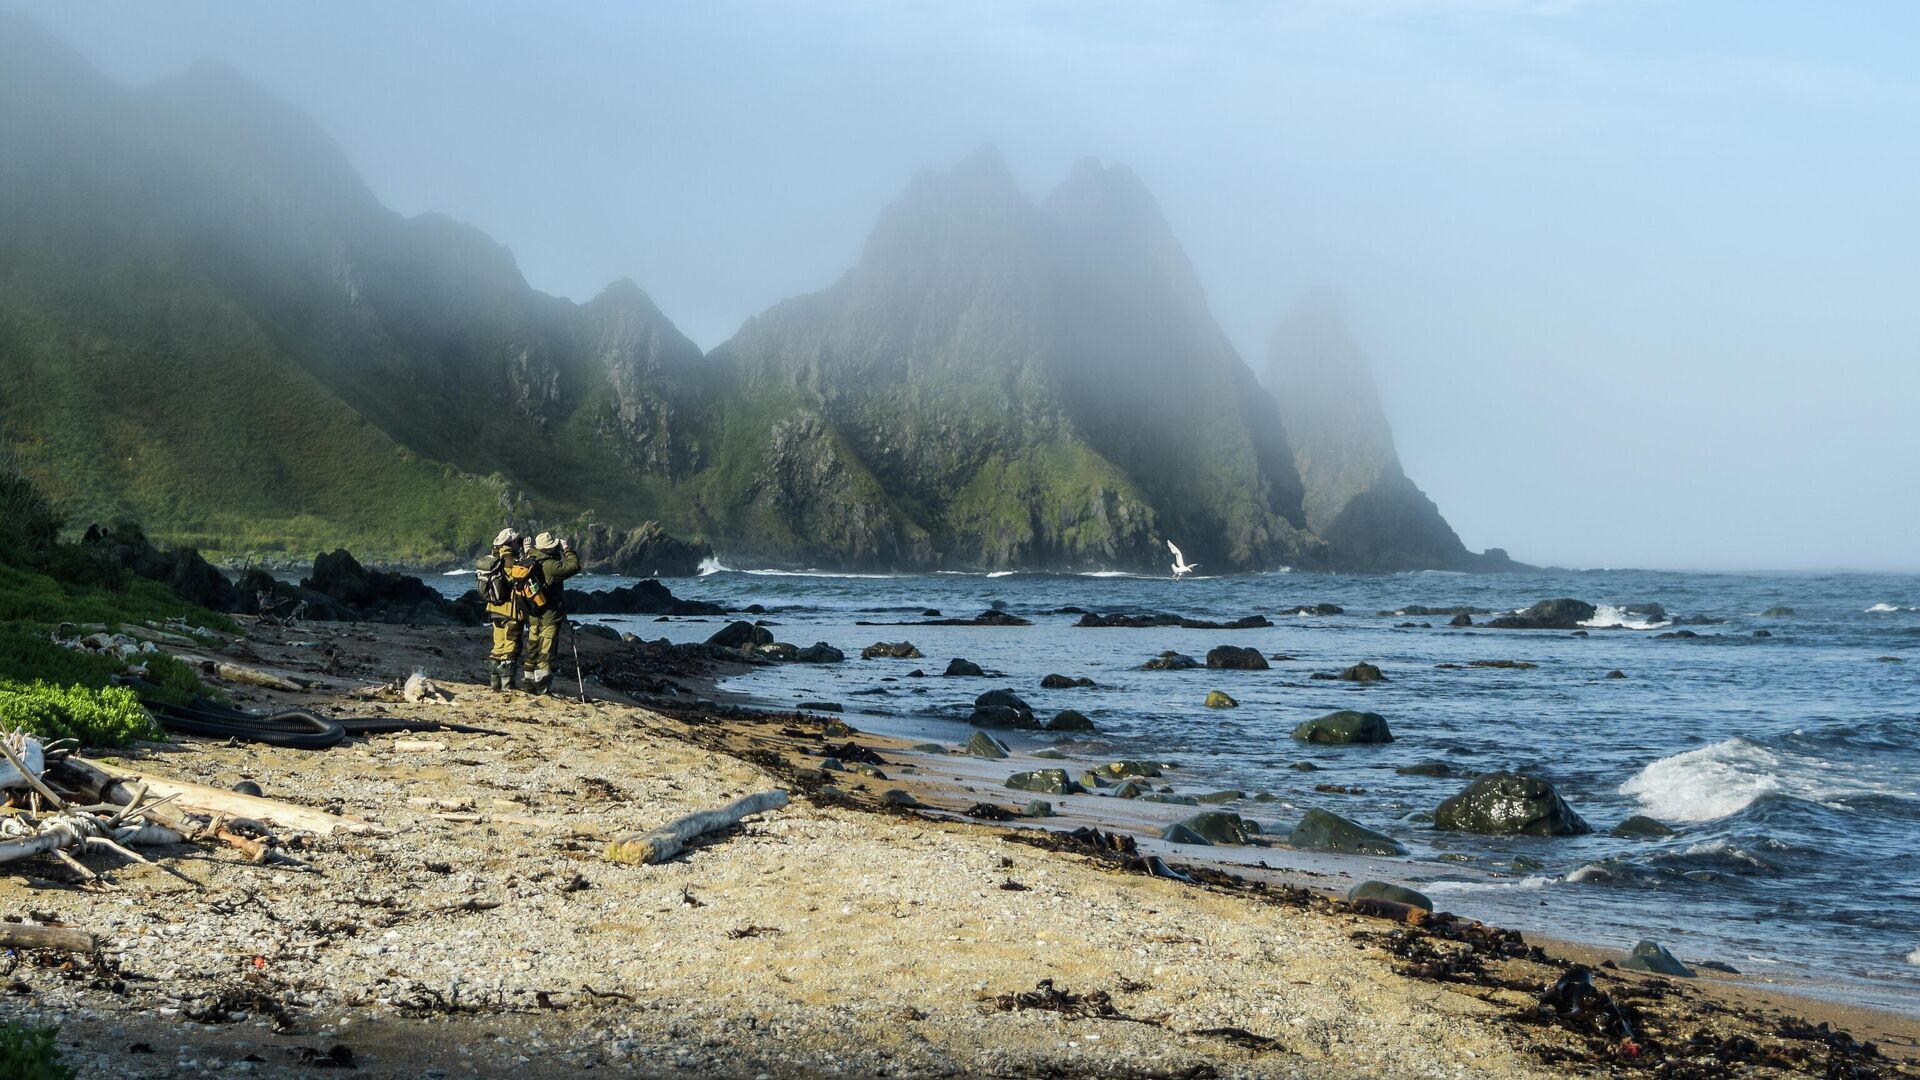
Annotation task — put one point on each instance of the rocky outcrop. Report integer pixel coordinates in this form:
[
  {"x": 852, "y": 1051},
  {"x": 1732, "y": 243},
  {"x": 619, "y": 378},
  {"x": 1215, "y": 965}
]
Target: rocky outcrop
[
  {"x": 380, "y": 596},
  {"x": 643, "y": 552},
  {"x": 1562, "y": 614},
  {"x": 1356, "y": 497},
  {"x": 645, "y": 597},
  {"x": 1158, "y": 618},
  {"x": 191, "y": 577}
]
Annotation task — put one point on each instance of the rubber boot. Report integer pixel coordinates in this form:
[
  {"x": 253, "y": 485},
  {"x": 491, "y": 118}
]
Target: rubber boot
[
  {"x": 495, "y": 682},
  {"x": 515, "y": 681}
]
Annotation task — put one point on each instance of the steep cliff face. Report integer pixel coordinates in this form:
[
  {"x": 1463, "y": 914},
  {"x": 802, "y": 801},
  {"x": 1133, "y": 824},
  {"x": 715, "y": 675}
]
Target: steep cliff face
[
  {"x": 1357, "y": 498},
  {"x": 1013, "y": 385}
]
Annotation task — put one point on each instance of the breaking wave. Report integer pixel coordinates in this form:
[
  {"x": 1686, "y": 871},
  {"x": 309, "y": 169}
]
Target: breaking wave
[
  {"x": 1606, "y": 616},
  {"x": 1726, "y": 777},
  {"x": 712, "y": 565}
]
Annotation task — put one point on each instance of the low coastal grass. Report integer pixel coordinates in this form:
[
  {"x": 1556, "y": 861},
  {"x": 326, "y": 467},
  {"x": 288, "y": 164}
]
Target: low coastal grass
[{"x": 30, "y": 1053}]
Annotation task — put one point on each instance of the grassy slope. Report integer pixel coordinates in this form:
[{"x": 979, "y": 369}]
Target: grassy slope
[{"x": 138, "y": 392}]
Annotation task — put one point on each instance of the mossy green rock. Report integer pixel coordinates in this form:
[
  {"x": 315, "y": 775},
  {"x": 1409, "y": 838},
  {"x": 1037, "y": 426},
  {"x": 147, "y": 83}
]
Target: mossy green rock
[
  {"x": 1343, "y": 727},
  {"x": 1044, "y": 781},
  {"x": 1221, "y": 796},
  {"x": 1504, "y": 803},
  {"x": 1128, "y": 790},
  {"x": 1176, "y": 800},
  {"x": 1649, "y": 955},
  {"x": 1039, "y": 808},
  {"x": 1324, "y": 830},
  {"x": 1178, "y": 833},
  {"x": 1426, "y": 768},
  {"x": 934, "y": 747},
  {"x": 1217, "y": 699},
  {"x": 983, "y": 745},
  {"x": 1050, "y": 754},
  {"x": 1640, "y": 826},
  {"x": 1220, "y": 827},
  {"x": 1117, "y": 769},
  {"x": 1383, "y": 890}
]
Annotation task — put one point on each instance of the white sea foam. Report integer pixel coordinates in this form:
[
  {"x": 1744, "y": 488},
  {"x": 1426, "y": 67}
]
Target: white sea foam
[
  {"x": 816, "y": 574},
  {"x": 1106, "y": 573},
  {"x": 1002, "y": 573},
  {"x": 454, "y": 573},
  {"x": 1883, "y": 609},
  {"x": 1457, "y": 888},
  {"x": 1914, "y": 958},
  {"x": 1727, "y": 777},
  {"x": 1607, "y": 615},
  {"x": 711, "y": 565}
]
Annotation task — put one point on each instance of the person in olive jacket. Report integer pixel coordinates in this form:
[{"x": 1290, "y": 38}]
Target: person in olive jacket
[{"x": 547, "y": 563}]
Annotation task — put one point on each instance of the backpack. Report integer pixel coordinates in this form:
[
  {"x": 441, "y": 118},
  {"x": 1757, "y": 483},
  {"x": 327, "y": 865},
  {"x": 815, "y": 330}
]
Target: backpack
[{"x": 493, "y": 586}]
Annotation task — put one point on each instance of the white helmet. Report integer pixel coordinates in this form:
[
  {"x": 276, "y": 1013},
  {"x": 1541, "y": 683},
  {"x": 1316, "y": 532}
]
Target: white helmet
[{"x": 508, "y": 535}]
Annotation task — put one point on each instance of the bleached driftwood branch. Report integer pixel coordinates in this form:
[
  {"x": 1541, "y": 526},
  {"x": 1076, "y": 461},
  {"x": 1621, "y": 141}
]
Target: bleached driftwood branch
[{"x": 663, "y": 843}]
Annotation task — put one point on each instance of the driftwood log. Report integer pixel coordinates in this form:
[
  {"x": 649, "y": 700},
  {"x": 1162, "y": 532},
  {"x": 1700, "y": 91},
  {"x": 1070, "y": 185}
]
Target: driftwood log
[
  {"x": 659, "y": 845},
  {"x": 34, "y": 936},
  {"x": 254, "y": 676},
  {"x": 228, "y": 803}
]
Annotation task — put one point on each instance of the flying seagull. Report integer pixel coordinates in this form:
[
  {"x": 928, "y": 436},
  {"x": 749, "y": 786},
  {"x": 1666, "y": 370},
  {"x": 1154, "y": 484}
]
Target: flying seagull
[{"x": 1180, "y": 567}]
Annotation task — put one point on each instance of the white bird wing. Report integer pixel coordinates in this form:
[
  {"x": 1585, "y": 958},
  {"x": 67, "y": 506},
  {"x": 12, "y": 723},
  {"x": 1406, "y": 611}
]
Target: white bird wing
[{"x": 1176, "y": 552}]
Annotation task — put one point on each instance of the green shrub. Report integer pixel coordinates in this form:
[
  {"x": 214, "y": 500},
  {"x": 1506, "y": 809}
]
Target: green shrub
[
  {"x": 29, "y": 1053},
  {"x": 109, "y": 716}
]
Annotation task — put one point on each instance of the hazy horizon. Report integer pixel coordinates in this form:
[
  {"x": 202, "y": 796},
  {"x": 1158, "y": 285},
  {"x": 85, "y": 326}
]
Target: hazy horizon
[{"x": 1633, "y": 279}]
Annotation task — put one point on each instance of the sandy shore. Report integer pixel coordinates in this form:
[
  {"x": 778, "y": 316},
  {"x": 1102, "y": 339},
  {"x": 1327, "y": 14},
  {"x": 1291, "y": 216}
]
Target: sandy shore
[{"x": 479, "y": 931}]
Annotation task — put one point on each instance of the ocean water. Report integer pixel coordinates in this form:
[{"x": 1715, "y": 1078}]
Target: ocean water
[{"x": 1790, "y": 764}]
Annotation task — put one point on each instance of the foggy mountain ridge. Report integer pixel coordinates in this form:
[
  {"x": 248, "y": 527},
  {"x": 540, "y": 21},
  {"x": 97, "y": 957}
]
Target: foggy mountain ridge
[{"x": 213, "y": 326}]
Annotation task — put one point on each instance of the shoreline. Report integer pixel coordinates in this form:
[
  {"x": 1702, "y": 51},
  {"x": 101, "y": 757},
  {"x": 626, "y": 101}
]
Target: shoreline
[{"x": 796, "y": 945}]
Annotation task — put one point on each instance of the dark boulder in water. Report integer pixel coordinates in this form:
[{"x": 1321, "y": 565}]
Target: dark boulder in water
[
  {"x": 1070, "y": 720},
  {"x": 1171, "y": 661},
  {"x": 1763, "y": 633},
  {"x": 1641, "y": 826},
  {"x": 647, "y": 597},
  {"x": 890, "y": 650},
  {"x": 1235, "y": 658},
  {"x": 1562, "y": 614},
  {"x": 1044, "y": 782},
  {"x": 1649, "y": 955},
  {"x": 741, "y": 635},
  {"x": 1220, "y": 699},
  {"x": 1616, "y": 674},
  {"x": 1777, "y": 612},
  {"x": 1363, "y": 672},
  {"x": 1676, "y": 635},
  {"x": 1221, "y": 827},
  {"x": 1178, "y": 833},
  {"x": 1462, "y": 619},
  {"x": 1001, "y": 716},
  {"x": 1504, "y": 803},
  {"x": 1324, "y": 830},
  {"x": 1343, "y": 727},
  {"x": 1426, "y": 768},
  {"x": 1002, "y": 699},
  {"x": 1160, "y": 618},
  {"x": 1456, "y": 611},
  {"x": 1062, "y": 682},
  {"x": 819, "y": 653},
  {"x": 1316, "y": 609},
  {"x": 960, "y": 668},
  {"x": 991, "y": 617}
]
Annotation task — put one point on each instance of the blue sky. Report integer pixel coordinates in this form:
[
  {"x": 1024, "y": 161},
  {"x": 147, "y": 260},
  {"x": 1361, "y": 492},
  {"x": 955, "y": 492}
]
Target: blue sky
[{"x": 1637, "y": 278}]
